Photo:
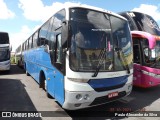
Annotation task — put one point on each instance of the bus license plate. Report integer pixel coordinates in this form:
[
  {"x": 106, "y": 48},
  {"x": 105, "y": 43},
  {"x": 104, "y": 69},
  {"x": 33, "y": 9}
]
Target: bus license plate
[{"x": 114, "y": 94}]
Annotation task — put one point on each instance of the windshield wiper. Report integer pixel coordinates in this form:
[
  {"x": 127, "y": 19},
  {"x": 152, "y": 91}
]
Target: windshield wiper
[
  {"x": 100, "y": 62},
  {"x": 122, "y": 58}
]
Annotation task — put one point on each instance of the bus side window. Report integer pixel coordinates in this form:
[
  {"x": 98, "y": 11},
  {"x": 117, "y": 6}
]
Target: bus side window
[
  {"x": 35, "y": 38},
  {"x": 41, "y": 41}
]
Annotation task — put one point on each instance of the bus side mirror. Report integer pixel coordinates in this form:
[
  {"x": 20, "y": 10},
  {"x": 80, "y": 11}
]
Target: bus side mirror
[
  {"x": 65, "y": 34},
  {"x": 46, "y": 48},
  {"x": 58, "y": 51}
]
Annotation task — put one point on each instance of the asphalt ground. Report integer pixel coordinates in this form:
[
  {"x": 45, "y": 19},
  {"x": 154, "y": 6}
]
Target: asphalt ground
[{"x": 20, "y": 94}]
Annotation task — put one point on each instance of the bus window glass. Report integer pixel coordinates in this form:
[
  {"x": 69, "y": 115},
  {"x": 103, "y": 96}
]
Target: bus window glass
[
  {"x": 30, "y": 43},
  {"x": 157, "y": 53},
  {"x": 4, "y": 54},
  {"x": 4, "y": 38},
  {"x": 148, "y": 54},
  {"x": 91, "y": 40},
  {"x": 43, "y": 33},
  {"x": 35, "y": 39},
  {"x": 59, "y": 18},
  {"x": 122, "y": 40},
  {"x": 136, "y": 51},
  {"x": 157, "y": 49},
  {"x": 51, "y": 33}
]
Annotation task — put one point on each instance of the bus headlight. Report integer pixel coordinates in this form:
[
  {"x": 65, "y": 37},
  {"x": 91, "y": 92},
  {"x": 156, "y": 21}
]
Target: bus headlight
[{"x": 79, "y": 80}]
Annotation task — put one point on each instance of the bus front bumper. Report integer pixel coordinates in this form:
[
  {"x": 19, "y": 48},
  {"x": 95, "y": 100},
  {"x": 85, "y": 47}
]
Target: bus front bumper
[{"x": 79, "y": 100}]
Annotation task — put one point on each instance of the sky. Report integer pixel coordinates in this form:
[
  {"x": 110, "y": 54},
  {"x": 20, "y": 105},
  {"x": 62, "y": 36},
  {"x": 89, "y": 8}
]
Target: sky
[{"x": 20, "y": 18}]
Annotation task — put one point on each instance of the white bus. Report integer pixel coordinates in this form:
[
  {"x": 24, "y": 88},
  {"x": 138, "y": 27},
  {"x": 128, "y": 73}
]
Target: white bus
[
  {"x": 82, "y": 56},
  {"x": 18, "y": 56},
  {"x": 5, "y": 52}
]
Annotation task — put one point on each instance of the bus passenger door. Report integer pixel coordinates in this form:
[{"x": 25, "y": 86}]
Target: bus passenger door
[
  {"x": 137, "y": 74},
  {"x": 59, "y": 76}
]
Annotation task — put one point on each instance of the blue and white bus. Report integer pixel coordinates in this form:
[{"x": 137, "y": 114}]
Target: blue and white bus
[
  {"x": 5, "y": 51},
  {"x": 82, "y": 56}
]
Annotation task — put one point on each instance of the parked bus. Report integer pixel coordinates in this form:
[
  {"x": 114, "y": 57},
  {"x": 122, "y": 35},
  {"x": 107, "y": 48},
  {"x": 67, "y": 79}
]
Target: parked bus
[
  {"x": 18, "y": 56},
  {"x": 4, "y": 52},
  {"x": 146, "y": 47},
  {"x": 82, "y": 56}
]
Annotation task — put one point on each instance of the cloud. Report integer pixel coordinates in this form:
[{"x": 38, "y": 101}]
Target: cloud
[
  {"x": 35, "y": 10},
  {"x": 5, "y": 13},
  {"x": 151, "y": 10},
  {"x": 17, "y": 38}
]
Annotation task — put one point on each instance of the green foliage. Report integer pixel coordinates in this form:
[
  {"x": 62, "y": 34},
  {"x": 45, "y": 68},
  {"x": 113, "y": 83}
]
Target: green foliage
[{"x": 12, "y": 59}]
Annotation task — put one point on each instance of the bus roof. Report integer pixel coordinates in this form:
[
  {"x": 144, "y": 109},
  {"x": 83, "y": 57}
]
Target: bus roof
[
  {"x": 74, "y": 5},
  {"x": 3, "y": 32},
  {"x": 133, "y": 12}
]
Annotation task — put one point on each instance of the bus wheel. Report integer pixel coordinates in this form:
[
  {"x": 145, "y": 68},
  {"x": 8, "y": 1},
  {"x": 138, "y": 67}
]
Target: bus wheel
[{"x": 45, "y": 87}]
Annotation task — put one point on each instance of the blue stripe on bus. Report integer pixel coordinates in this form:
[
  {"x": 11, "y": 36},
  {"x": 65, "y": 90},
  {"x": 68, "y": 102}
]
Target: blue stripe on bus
[{"x": 107, "y": 82}]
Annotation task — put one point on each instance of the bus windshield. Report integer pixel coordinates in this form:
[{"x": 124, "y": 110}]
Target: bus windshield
[
  {"x": 4, "y": 39},
  {"x": 155, "y": 54},
  {"x": 94, "y": 35},
  {"x": 4, "y": 54},
  {"x": 151, "y": 56}
]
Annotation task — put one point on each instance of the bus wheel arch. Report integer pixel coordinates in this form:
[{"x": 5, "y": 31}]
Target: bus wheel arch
[
  {"x": 42, "y": 79},
  {"x": 43, "y": 83}
]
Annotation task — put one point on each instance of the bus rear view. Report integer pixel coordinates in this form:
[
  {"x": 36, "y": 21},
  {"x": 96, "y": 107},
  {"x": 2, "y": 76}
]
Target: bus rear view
[{"x": 4, "y": 52}]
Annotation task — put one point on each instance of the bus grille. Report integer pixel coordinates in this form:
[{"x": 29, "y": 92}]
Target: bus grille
[{"x": 108, "y": 88}]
